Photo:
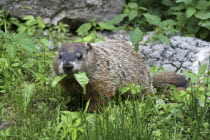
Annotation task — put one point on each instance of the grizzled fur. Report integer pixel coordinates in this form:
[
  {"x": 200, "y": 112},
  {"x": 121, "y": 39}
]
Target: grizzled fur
[{"x": 108, "y": 65}]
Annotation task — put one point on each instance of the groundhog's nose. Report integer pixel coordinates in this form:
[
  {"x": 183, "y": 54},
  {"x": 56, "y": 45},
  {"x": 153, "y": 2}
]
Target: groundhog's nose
[{"x": 68, "y": 68}]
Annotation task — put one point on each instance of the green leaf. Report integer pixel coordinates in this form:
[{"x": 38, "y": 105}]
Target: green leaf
[
  {"x": 31, "y": 22},
  {"x": 84, "y": 28},
  {"x": 41, "y": 24},
  {"x": 15, "y": 64},
  {"x": 205, "y": 23},
  {"x": 152, "y": 19},
  {"x": 27, "y": 45},
  {"x": 118, "y": 19},
  {"x": 203, "y": 15},
  {"x": 4, "y": 63},
  {"x": 190, "y": 12},
  {"x": 57, "y": 79},
  {"x": 11, "y": 49},
  {"x": 21, "y": 29},
  {"x": 82, "y": 79},
  {"x": 177, "y": 96},
  {"x": 45, "y": 42},
  {"x": 124, "y": 90},
  {"x": 167, "y": 3},
  {"x": 6, "y": 35},
  {"x": 133, "y": 5},
  {"x": 28, "y": 93},
  {"x": 202, "y": 69},
  {"x": 30, "y": 62},
  {"x": 184, "y": 1},
  {"x": 106, "y": 26},
  {"x": 193, "y": 77},
  {"x": 87, "y": 38},
  {"x": 86, "y": 106},
  {"x": 28, "y": 18},
  {"x": 202, "y": 5},
  {"x": 132, "y": 14},
  {"x": 164, "y": 38},
  {"x": 136, "y": 35}
]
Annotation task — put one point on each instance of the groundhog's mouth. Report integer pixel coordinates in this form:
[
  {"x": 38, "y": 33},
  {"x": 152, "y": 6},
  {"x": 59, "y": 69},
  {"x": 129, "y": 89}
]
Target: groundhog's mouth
[{"x": 70, "y": 71}]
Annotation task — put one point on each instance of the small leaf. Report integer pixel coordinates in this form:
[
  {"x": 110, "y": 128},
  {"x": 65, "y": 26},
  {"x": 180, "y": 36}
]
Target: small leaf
[
  {"x": 87, "y": 38},
  {"x": 133, "y": 5},
  {"x": 11, "y": 49},
  {"x": 31, "y": 22},
  {"x": 190, "y": 12},
  {"x": 184, "y": 1},
  {"x": 30, "y": 62},
  {"x": 106, "y": 26},
  {"x": 152, "y": 19},
  {"x": 136, "y": 35},
  {"x": 202, "y": 69},
  {"x": 4, "y": 63},
  {"x": 28, "y": 18},
  {"x": 164, "y": 38},
  {"x": 118, "y": 19},
  {"x": 177, "y": 96},
  {"x": 22, "y": 29},
  {"x": 87, "y": 105},
  {"x": 168, "y": 3},
  {"x": 82, "y": 79},
  {"x": 15, "y": 64},
  {"x": 132, "y": 14},
  {"x": 84, "y": 28},
  {"x": 27, "y": 45},
  {"x": 203, "y": 15},
  {"x": 57, "y": 79},
  {"x": 205, "y": 23},
  {"x": 41, "y": 23},
  {"x": 45, "y": 42},
  {"x": 124, "y": 90},
  {"x": 193, "y": 77}
]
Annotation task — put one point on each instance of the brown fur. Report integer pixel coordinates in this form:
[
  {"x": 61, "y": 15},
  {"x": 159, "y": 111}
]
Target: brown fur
[{"x": 109, "y": 67}]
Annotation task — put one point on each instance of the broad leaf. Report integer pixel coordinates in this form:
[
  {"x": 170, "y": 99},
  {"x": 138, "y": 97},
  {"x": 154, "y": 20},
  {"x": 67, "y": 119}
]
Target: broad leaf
[
  {"x": 118, "y": 19},
  {"x": 132, "y": 14},
  {"x": 202, "y": 69},
  {"x": 57, "y": 79},
  {"x": 45, "y": 42},
  {"x": 164, "y": 38},
  {"x": 106, "y": 26},
  {"x": 203, "y": 15},
  {"x": 82, "y": 79},
  {"x": 152, "y": 19},
  {"x": 136, "y": 35},
  {"x": 28, "y": 18},
  {"x": 84, "y": 28},
  {"x": 190, "y": 12},
  {"x": 27, "y": 45},
  {"x": 11, "y": 49},
  {"x": 133, "y": 5},
  {"x": 31, "y": 22},
  {"x": 87, "y": 38}
]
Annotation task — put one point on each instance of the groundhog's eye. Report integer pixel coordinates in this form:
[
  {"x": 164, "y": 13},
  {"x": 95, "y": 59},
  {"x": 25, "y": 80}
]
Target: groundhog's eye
[{"x": 79, "y": 56}]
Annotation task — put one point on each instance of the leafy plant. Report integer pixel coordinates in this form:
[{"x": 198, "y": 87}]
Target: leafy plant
[{"x": 32, "y": 25}]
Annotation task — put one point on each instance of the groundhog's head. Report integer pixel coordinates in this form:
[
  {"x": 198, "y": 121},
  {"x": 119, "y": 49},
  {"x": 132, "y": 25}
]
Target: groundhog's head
[{"x": 71, "y": 58}]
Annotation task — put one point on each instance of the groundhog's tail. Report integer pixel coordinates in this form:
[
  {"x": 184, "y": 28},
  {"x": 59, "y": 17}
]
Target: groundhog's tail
[{"x": 169, "y": 78}]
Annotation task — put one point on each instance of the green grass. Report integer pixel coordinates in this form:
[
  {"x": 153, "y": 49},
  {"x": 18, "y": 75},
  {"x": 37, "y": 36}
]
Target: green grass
[{"x": 46, "y": 117}]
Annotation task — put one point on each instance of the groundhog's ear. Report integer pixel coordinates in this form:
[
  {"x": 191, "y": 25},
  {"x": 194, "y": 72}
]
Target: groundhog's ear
[{"x": 88, "y": 47}]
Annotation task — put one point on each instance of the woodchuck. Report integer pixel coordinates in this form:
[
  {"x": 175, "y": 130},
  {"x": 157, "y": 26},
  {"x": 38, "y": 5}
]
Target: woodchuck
[{"x": 109, "y": 66}]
